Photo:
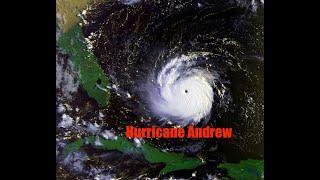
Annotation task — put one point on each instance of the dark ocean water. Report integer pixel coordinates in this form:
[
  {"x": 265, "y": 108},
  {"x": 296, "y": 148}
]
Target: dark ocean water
[{"x": 134, "y": 41}]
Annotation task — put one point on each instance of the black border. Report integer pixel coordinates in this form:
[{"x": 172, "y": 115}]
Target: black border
[
  {"x": 28, "y": 67},
  {"x": 28, "y": 79}
]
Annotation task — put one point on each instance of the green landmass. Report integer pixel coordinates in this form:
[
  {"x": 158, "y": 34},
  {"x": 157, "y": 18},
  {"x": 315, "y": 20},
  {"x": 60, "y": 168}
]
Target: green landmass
[
  {"x": 89, "y": 72},
  {"x": 86, "y": 63},
  {"x": 245, "y": 170},
  {"x": 74, "y": 146},
  {"x": 173, "y": 161}
]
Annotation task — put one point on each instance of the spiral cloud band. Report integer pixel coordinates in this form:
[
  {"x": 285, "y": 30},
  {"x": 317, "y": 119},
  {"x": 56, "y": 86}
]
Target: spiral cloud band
[{"x": 182, "y": 91}]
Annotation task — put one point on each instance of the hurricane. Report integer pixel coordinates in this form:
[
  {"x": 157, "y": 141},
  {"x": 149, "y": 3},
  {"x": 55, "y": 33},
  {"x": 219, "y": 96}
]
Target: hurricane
[
  {"x": 181, "y": 91},
  {"x": 175, "y": 63},
  {"x": 162, "y": 64}
]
